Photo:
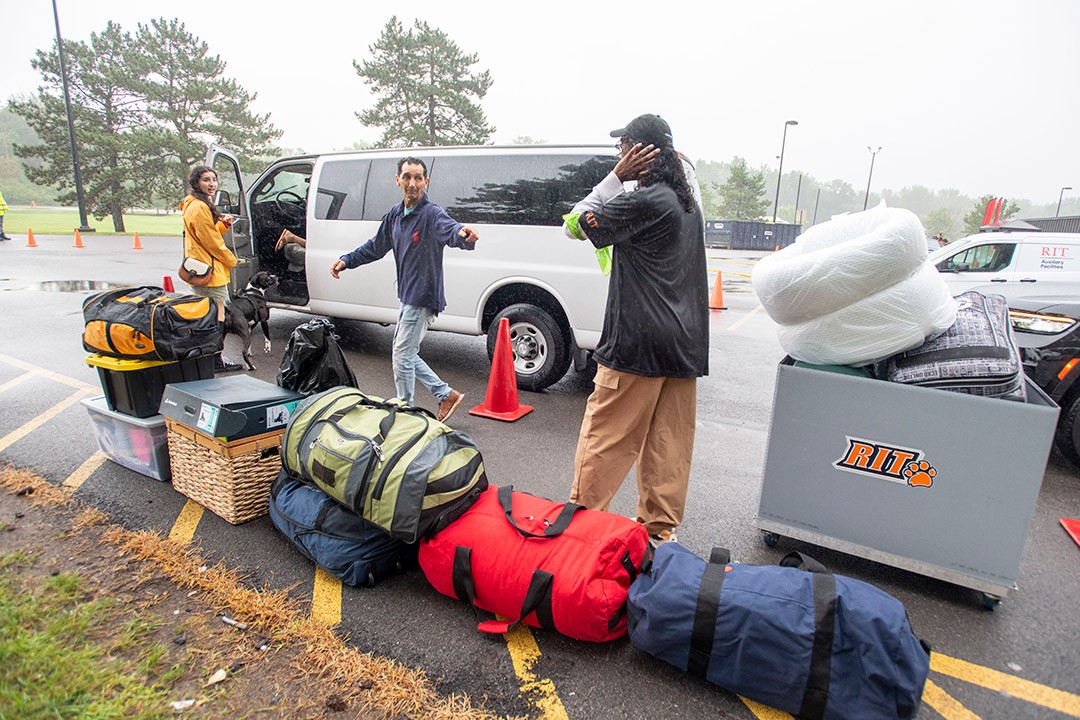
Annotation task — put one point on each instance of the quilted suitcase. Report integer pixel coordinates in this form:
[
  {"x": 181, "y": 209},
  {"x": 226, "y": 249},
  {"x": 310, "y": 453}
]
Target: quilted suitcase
[
  {"x": 813, "y": 644},
  {"x": 333, "y": 537},
  {"x": 547, "y": 564},
  {"x": 976, "y": 355}
]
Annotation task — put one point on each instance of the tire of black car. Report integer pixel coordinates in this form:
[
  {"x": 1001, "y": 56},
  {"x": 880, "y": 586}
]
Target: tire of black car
[
  {"x": 1067, "y": 437},
  {"x": 539, "y": 346}
]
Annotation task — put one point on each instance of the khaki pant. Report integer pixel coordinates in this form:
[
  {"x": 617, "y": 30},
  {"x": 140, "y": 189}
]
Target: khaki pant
[{"x": 648, "y": 420}]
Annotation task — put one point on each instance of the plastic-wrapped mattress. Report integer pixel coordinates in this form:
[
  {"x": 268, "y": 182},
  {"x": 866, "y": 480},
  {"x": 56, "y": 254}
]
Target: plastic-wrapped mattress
[{"x": 855, "y": 289}]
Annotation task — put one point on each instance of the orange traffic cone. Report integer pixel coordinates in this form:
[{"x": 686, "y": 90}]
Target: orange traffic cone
[
  {"x": 138, "y": 245},
  {"x": 30, "y": 241},
  {"x": 501, "y": 400},
  {"x": 716, "y": 302},
  {"x": 167, "y": 285},
  {"x": 78, "y": 240}
]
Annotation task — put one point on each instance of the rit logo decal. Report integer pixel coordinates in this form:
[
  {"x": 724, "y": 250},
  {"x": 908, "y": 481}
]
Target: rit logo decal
[{"x": 887, "y": 462}]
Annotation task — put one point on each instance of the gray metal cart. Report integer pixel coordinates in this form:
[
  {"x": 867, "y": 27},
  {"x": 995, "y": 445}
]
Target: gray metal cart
[{"x": 939, "y": 483}]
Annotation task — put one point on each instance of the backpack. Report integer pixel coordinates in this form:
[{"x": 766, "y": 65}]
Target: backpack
[
  {"x": 147, "y": 323},
  {"x": 333, "y": 537},
  {"x": 393, "y": 464},
  {"x": 313, "y": 360},
  {"x": 818, "y": 646}
]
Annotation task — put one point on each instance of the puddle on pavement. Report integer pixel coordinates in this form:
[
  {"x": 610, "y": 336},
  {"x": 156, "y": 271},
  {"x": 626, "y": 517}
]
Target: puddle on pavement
[{"x": 69, "y": 286}]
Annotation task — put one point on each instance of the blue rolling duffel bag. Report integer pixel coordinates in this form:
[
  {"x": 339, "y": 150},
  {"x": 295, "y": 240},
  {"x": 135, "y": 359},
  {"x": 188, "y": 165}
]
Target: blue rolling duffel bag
[
  {"x": 338, "y": 540},
  {"x": 818, "y": 646}
]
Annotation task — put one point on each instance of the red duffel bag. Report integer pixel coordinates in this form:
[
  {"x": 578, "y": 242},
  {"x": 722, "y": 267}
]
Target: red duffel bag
[{"x": 547, "y": 564}]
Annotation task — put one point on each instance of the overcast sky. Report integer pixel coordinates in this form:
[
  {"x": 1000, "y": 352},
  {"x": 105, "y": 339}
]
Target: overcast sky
[{"x": 979, "y": 96}]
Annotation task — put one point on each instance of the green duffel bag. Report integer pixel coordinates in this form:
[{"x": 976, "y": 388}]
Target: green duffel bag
[{"x": 394, "y": 465}]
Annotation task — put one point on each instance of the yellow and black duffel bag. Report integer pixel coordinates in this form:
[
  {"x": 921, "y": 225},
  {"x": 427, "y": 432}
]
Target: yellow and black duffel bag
[{"x": 147, "y": 323}]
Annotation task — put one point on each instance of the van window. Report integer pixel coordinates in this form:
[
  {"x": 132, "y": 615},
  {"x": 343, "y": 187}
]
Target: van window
[
  {"x": 982, "y": 258},
  {"x": 382, "y": 192},
  {"x": 515, "y": 189},
  {"x": 340, "y": 194}
]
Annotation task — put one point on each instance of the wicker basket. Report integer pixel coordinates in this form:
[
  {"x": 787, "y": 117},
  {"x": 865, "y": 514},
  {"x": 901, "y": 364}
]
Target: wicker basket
[{"x": 231, "y": 479}]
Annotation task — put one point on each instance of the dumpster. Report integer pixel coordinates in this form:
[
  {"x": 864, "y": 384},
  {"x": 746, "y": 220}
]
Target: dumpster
[{"x": 940, "y": 483}]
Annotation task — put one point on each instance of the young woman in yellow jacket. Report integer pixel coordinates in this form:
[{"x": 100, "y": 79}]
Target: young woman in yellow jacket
[{"x": 203, "y": 227}]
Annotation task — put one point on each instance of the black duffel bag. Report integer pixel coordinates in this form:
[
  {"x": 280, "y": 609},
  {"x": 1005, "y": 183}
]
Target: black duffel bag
[{"x": 147, "y": 323}]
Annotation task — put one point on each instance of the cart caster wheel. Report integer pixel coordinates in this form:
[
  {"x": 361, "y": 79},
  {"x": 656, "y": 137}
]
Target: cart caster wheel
[
  {"x": 399, "y": 567},
  {"x": 369, "y": 581},
  {"x": 770, "y": 539},
  {"x": 990, "y": 601}
]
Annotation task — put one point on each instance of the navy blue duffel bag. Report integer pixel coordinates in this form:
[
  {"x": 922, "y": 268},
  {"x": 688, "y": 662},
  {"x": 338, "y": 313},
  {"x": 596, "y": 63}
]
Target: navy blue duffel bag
[
  {"x": 816, "y": 645},
  {"x": 339, "y": 541}
]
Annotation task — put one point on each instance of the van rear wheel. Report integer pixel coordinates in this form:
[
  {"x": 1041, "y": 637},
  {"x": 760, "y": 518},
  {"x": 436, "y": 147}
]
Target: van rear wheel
[{"x": 539, "y": 346}]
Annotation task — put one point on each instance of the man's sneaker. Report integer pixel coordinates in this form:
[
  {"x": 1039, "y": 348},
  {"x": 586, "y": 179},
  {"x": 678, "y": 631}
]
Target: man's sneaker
[
  {"x": 224, "y": 364},
  {"x": 449, "y": 405},
  {"x": 664, "y": 536}
]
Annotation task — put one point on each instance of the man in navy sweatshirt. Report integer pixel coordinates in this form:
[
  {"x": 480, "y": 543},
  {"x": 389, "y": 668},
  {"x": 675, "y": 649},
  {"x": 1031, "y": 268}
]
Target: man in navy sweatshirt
[{"x": 416, "y": 230}]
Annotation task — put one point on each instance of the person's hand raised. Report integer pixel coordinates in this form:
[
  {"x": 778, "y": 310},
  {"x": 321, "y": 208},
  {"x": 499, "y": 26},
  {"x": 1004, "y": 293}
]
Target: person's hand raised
[
  {"x": 635, "y": 162},
  {"x": 468, "y": 234}
]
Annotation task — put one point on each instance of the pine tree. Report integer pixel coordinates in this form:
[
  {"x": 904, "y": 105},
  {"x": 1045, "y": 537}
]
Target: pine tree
[
  {"x": 108, "y": 117},
  {"x": 424, "y": 87},
  {"x": 191, "y": 103},
  {"x": 742, "y": 196}
]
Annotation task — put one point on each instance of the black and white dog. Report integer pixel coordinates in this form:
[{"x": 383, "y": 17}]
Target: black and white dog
[{"x": 249, "y": 309}]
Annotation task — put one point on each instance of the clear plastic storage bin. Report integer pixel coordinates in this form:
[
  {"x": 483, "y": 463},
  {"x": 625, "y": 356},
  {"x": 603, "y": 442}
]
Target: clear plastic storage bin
[{"x": 139, "y": 444}]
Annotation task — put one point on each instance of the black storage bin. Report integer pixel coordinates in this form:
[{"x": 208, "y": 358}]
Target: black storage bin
[{"x": 135, "y": 387}]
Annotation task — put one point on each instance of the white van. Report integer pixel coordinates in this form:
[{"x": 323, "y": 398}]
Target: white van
[
  {"x": 523, "y": 268},
  {"x": 1017, "y": 264}
]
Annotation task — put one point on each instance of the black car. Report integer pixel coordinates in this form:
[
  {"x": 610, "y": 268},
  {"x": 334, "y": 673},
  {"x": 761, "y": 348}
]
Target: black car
[{"x": 1047, "y": 332}]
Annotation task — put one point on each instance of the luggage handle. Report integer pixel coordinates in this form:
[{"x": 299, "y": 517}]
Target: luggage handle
[
  {"x": 799, "y": 561},
  {"x": 537, "y": 597},
  {"x": 506, "y": 499}
]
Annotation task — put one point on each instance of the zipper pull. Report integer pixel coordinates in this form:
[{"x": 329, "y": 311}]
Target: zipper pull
[{"x": 378, "y": 450}]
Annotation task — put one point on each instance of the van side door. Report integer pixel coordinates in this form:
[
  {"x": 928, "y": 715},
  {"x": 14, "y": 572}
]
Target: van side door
[
  {"x": 232, "y": 200},
  {"x": 1048, "y": 265}
]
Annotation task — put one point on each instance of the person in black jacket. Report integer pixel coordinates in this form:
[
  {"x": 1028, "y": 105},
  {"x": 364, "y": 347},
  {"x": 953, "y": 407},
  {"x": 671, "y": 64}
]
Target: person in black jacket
[{"x": 655, "y": 340}]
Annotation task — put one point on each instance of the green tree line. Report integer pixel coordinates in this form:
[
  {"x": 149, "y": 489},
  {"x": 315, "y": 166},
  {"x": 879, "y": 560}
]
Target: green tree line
[{"x": 733, "y": 191}]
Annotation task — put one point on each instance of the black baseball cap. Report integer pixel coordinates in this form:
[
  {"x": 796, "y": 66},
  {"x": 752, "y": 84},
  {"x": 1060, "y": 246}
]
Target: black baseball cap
[{"x": 647, "y": 129}]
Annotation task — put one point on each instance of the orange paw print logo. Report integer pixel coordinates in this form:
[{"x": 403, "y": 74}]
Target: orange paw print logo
[{"x": 919, "y": 474}]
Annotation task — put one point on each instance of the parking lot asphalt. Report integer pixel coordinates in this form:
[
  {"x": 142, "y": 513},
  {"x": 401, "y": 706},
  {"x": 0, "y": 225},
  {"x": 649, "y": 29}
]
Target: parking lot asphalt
[{"x": 1021, "y": 660}]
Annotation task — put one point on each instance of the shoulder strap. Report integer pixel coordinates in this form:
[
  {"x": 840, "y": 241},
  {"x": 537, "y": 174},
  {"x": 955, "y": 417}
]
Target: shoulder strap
[
  {"x": 708, "y": 604},
  {"x": 506, "y": 499}
]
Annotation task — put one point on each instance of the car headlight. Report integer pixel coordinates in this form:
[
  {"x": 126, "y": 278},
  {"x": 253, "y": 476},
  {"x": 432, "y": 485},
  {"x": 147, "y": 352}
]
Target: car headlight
[{"x": 1040, "y": 324}]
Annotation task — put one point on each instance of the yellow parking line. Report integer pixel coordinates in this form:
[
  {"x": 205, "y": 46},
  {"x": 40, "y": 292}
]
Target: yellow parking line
[
  {"x": 77, "y": 478},
  {"x": 21, "y": 432},
  {"x": 945, "y": 704},
  {"x": 538, "y": 692},
  {"x": 744, "y": 318},
  {"x": 1048, "y": 697},
  {"x": 64, "y": 379},
  {"x": 16, "y": 381},
  {"x": 764, "y": 712},
  {"x": 184, "y": 527},
  {"x": 326, "y": 598}
]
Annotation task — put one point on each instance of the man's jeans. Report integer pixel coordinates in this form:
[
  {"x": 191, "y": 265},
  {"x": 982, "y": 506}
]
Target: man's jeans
[{"x": 412, "y": 324}]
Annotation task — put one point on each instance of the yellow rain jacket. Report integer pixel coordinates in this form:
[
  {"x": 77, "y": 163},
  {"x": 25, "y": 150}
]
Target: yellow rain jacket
[{"x": 202, "y": 239}]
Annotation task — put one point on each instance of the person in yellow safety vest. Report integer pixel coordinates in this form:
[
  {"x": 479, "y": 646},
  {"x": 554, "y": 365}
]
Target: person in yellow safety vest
[{"x": 3, "y": 211}]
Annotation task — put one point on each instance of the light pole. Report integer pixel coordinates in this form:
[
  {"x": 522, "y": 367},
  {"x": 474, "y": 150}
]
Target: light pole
[
  {"x": 1061, "y": 195},
  {"x": 83, "y": 227},
  {"x": 780, "y": 171},
  {"x": 873, "y": 156},
  {"x": 798, "y": 192}
]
